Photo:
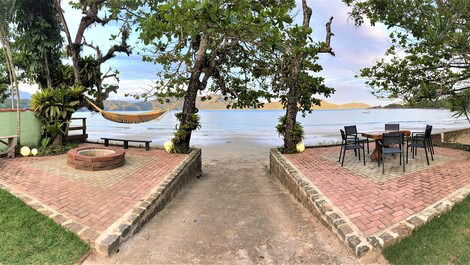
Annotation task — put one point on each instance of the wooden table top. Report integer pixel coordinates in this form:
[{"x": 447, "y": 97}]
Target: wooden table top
[{"x": 377, "y": 135}]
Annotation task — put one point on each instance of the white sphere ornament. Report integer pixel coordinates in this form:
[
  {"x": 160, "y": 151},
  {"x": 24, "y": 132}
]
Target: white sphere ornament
[
  {"x": 25, "y": 151},
  {"x": 34, "y": 151},
  {"x": 168, "y": 146},
  {"x": 300, "y": 147}
]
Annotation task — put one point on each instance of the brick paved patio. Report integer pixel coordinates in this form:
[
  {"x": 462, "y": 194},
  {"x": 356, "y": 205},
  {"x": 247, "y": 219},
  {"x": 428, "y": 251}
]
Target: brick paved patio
[
  {"x": 86, "y": 202},
  {"x": 374, "y": 201}
]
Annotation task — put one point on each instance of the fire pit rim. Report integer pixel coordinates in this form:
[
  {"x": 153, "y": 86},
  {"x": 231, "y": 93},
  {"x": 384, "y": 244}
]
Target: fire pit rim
[{"x": 85, "y": 162}]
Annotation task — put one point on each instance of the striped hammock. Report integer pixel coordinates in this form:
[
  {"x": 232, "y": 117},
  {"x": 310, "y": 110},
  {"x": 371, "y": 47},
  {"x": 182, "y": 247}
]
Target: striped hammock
[{"x": 130, "y": 118}]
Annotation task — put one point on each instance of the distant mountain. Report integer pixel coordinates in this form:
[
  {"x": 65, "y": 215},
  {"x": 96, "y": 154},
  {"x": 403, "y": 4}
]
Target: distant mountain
[{"x": 215, "y": 103}]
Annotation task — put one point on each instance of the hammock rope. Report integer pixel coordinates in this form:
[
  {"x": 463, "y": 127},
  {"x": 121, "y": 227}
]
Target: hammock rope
[{"x": 132, "y": 118}]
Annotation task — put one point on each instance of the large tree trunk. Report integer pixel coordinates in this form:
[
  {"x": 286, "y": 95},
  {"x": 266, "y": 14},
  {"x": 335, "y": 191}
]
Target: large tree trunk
[
  {"x": 293, "y": 94},
  {"x": 48, "y": 72},
  {"x": 292, "y": 109},
  {"x": 183, "y": 139},
  {"x": 182, "y": 145}
]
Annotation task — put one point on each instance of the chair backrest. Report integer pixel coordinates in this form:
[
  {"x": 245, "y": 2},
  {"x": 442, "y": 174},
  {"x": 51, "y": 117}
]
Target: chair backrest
[
  {"x": 392, "y": 127},
  {"x": 428, "y": 131},
  {"x": 392, "y": 138},
  {"x": 343, "y": 135},
  {"x": 350, "y": 130}
]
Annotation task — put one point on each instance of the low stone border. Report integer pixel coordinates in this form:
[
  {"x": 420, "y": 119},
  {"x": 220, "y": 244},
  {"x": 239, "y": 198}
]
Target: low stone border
[
  {"x": 131, "y": 222},
  {"x": 317, "y": 203}
]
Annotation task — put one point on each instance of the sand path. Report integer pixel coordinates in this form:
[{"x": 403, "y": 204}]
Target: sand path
[{"x": 235, "y": 214}]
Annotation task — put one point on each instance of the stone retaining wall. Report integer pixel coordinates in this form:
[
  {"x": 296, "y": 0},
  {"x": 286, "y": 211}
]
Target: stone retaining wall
[
  {"x": 317, "y": 203},
  {"x": 129, "y": 224}
]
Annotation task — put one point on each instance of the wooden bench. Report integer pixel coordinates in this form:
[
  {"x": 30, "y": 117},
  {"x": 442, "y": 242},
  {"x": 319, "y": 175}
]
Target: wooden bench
[
  {"x": 10, "y": 142},
  {"x": 126, "y": 142}
]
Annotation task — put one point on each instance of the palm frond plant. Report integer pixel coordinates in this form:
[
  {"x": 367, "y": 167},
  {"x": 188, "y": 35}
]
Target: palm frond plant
[{"x": 54, "y": 108}]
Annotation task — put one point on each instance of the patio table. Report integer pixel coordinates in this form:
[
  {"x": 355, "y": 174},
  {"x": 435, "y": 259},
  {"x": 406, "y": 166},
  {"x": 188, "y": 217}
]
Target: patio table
[{"x": 377, "y": 136}]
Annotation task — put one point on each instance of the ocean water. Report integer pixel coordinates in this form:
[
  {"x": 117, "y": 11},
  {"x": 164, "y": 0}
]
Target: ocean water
[{"x": 321, "y": 126}]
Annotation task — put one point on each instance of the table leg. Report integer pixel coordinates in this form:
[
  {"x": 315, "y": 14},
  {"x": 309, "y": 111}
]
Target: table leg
[{"x": 376, "y": 152}]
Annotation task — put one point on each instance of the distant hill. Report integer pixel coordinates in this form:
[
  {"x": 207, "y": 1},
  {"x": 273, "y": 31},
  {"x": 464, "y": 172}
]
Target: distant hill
[{"x": 215, "y": 103}]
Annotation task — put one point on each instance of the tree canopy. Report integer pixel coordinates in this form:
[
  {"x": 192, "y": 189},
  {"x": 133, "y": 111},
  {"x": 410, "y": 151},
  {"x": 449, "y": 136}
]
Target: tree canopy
[
  {"x": 430, "y": 54},
  {"x": 209, "y": 46}
]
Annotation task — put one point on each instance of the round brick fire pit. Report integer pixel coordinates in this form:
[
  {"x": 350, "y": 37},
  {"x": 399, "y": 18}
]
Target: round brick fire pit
[{"x": 95, "y": 158}]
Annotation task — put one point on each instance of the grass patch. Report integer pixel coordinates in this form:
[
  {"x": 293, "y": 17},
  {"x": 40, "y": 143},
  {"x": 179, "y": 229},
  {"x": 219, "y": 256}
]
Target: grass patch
[
  {"x": 28, "y": 237},
  {"x": 445, "y": 240}
]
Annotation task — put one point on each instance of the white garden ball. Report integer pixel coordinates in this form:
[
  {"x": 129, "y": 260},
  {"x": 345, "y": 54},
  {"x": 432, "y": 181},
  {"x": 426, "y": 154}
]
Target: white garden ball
[
  {"x": 300, "y": 147},
  {"x": 34, "y": 151},
  {"x": 168, "y": 146},
  {"x": 25, "y": 151}
]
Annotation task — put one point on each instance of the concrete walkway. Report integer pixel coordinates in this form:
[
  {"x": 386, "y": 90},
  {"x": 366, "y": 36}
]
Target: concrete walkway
[{"x": 235, "y": 214}]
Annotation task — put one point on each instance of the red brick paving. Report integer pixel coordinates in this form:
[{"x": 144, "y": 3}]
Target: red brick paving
[
  {"x": 94, "y": 206},
  {"x": 372, "y": 207}
]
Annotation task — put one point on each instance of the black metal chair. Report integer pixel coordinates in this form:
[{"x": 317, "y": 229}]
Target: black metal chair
[
  {"x": 390, "y": 141},
  {"x": 350, "y": 144},
  {"x": 392, "y": 127},
  {"x": 351, "y": 130},
  {"x": 421, "y": 140}
]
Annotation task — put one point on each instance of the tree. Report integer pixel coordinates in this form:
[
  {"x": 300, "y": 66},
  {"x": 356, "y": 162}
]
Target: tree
[
  {"x": 38, "y": 41},
  {"x": 294, "y": 62},
  {"x": 429, "y": 58},
  {"x": 210, "y": 46},
  {"x": 87, "y": 70},
  {"x": 7, "y": 14}
]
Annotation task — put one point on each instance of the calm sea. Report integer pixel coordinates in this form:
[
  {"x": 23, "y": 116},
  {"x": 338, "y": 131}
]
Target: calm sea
[{"x": 322, "y": 126}]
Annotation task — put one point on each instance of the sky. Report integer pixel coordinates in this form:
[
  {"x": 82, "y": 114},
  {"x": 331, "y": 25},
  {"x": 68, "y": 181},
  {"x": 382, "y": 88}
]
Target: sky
[{"x": 355, "y": 48}]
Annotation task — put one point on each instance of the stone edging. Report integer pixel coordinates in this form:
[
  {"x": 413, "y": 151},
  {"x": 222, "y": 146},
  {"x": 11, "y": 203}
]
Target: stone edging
[
  {"x": 317, "y": 203},
  {"x": 132, "y": 221}
]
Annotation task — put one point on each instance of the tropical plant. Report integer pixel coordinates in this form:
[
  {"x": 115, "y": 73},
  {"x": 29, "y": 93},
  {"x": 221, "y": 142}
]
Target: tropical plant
[
  {"x": 208, "y": 46},
  {"x": 54, "y": 108},
  {"x": 429, "y": 56}
]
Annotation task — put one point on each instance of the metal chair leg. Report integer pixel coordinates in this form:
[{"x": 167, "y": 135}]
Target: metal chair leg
[
  {"x": 403, "y": 162},
  {"x": 383, "y": 165},
  {"x": 344, "y": 153},
  {"x": 340, "y": 151},
  {"x": 426, "y": 152}
]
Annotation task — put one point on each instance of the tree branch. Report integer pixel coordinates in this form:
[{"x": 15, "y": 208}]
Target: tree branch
[{"x": 327, "y": 48}]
